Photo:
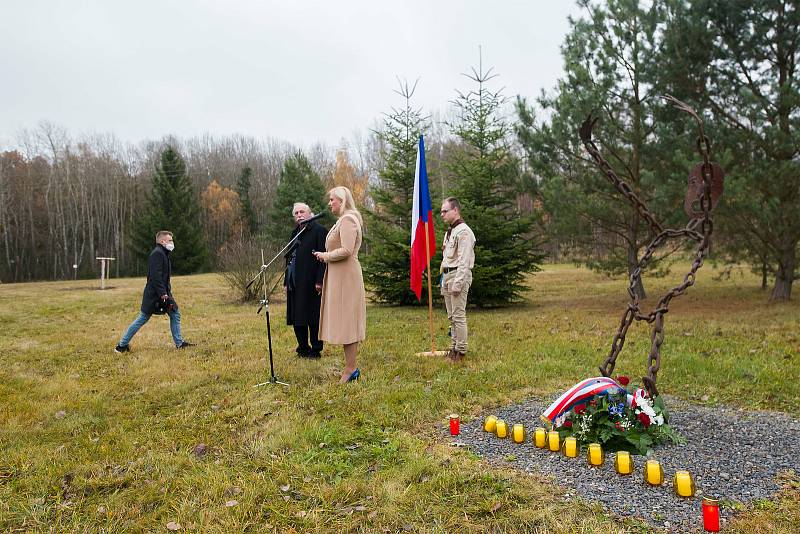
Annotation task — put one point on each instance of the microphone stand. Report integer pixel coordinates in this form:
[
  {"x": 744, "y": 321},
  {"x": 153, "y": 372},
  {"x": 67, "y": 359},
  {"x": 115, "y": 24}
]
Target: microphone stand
[{"x": 264, "y": 303}]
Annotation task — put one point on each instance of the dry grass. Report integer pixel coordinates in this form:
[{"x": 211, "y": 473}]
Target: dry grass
[{"x": 95, "y": 441}]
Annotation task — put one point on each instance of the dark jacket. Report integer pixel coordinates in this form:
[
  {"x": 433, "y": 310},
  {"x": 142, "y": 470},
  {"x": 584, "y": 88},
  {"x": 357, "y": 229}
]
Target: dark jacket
[
  {"x": 302, "y": 272},
  {"x": 159, "y": 268}
]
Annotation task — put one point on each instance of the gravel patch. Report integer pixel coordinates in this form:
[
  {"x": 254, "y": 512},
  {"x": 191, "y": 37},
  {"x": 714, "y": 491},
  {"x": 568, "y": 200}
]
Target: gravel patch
[{"x": 733, "y": 455}]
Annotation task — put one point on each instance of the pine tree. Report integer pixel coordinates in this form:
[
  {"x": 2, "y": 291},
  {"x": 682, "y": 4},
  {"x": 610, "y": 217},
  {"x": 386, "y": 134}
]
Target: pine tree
[
  {"x": 490, "y": 180},
  {"x": 611, "y": 63},
  {"x": 386, "y": 269},
  {"x": 172, "y": 205},
  {"x": 737, "y": 61},
  {"x": 243, "y": 185},
  {"x": 298, "y": 183}
]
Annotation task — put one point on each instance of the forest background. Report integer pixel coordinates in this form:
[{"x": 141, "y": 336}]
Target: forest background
[{"x": 66, "y": 199}]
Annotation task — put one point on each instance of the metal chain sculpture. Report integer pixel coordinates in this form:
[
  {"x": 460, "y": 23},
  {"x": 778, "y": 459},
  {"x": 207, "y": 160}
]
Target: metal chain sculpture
[{"x": 703, "y": 193}]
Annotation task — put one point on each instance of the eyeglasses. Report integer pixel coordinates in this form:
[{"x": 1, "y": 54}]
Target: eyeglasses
[{"x": 445, "y": 211}]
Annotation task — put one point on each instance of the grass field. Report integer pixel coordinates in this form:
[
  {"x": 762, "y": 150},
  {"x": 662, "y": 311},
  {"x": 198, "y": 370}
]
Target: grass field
[{"x": 96, "y": 441}]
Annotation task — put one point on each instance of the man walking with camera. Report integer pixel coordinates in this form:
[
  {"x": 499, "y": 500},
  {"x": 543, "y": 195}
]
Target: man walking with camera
[
  {"x": 458, "y": 259},
  {"x": 157, "y": 297}
]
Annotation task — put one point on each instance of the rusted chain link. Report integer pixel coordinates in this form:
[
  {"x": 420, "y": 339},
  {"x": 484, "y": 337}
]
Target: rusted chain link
[
  {"x": 619, "y": 184},
  {"x": 705, "y": 186}
]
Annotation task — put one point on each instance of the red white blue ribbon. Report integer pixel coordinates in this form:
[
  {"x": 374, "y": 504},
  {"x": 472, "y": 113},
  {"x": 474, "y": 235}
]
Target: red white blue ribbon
[
  {"x": 637, "y": 398},
  {"x": 578, "y": 395}
]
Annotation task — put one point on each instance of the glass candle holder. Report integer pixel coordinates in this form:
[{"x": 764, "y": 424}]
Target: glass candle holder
[
  {"x": 455, "y": 424},
  {"x": 683, "y": 484},
  {"x": 653, "y": 473},
  {"x": 501, "y": 429},
  {"x": 570, "y": 447},
  {"x": 623, "y": 463},
  {"x": 540, "y": 437},
  {"x": 595, "y": 454},
  {"x": 553, "y": 441},
  {"x": 490, "y": 424},
  {"x": 518, "y": 433},
  {"x": 710, "y": 514}
]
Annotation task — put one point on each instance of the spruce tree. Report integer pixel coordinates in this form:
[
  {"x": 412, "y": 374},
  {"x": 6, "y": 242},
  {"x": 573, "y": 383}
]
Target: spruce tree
[
  {"x": 299, "y": 182},
  {"x": 243, "y": 185},
  {"x": 386, "y": 268},
  {"x": 489, "y": 182},
  {"x": 172, "y": 205}
]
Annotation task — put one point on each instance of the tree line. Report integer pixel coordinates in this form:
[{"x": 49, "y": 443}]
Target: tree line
[
  {"x": 65, "y": 201},
  {"x": 736, "y": 63},
  {"x": 528, "y": 188}
]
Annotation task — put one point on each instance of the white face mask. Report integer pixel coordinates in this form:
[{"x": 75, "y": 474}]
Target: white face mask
[{"x": 170, "y": 246}]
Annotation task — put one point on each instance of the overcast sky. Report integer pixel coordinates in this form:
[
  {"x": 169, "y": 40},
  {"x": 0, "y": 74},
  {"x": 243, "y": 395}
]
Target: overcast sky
[{"x": 298, "y": 70}]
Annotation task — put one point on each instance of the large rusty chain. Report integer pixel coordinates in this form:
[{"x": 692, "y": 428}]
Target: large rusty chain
[{"x": 705, "y": 186}]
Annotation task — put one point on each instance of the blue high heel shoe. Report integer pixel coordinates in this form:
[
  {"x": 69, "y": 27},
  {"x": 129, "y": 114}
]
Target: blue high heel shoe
[{"x": 354, "y": 375}]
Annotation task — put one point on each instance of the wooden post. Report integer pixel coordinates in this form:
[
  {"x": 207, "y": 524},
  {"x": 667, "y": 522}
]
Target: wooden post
[
  {"x": 105, "y": 268},
  {"x": 430, "y": 290}
]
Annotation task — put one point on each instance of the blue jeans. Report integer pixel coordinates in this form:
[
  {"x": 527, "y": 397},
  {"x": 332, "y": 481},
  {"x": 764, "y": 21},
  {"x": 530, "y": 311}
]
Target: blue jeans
[{"x": 174, "y": 326}]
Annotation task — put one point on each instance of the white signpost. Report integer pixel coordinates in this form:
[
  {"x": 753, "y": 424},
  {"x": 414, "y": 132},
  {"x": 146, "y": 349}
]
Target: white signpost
[{"x": 105, "y": 267}]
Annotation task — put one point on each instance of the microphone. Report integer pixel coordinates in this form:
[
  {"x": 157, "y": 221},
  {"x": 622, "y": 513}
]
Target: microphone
[{"x": 314, "y": 218}]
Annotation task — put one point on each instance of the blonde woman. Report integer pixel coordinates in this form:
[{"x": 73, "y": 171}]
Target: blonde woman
[{"x": 343, "y": 313}]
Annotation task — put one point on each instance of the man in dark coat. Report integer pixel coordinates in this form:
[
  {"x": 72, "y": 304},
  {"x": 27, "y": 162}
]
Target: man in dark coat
[
  {"x": 303, "y": 282},
  {"x": 157, "y": 296}
]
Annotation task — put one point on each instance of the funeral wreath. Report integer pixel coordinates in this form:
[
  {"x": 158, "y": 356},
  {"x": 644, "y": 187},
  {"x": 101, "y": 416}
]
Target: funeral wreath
[{"x": 619, "y": 420}]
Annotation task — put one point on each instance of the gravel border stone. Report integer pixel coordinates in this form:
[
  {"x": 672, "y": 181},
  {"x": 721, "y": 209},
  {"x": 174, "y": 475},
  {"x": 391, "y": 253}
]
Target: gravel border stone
[{"x": 733, "y": 455}]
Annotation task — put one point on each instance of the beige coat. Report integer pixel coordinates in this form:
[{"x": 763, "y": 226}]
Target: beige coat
[
  {"x": 343, "y": 314},
  {"x": 458, "y": 258}
]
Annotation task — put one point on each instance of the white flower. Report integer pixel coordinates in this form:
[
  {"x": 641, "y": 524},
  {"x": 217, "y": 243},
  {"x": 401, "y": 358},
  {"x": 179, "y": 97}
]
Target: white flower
[
  {"x": 659, "y": 420},
  {"x": 648, "y": 409}
]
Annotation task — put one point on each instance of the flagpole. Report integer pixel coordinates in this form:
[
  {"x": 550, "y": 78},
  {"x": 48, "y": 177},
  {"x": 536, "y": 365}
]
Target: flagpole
[{"x": 430, "y": 291}]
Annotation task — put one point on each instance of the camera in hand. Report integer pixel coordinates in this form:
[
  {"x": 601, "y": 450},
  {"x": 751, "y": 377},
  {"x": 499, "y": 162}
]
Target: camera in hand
[{"x": 163, "y": 306}]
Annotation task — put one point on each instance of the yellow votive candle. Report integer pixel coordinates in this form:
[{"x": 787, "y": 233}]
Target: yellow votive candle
[
  {"x": 501, "y": 428},
  {"x": 683, "y": 484},
  {"x": 490, "y": 424},
  {"x": 653, "y": 473},
  {"x": 622, "y": 463},
  {"x": 540, "y": 437},
  {"x": 553, "y": 441},
  {"x": 595, "y": 455},
  {"x": 518, "y": 433},
  {"x": 570, "y": 447}
]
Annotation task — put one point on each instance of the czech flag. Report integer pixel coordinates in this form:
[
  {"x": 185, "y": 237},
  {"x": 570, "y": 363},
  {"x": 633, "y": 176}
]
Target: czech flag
[{"x": 421, "y": 214}]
